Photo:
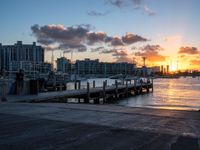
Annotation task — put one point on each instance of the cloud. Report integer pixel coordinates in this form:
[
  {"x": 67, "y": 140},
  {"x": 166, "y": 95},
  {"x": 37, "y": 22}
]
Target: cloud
[
  {"x": 122, "y": 56},
  {"x": 130, "y": 38},
  {"x": 195, "y": 62},
  {"x": 120, "y": 53},
  {"x": 151, "y": 52},
  {"x": 116, "y": 41},
  {"x": 79, "y": 37},
  {"x": 108, "y": 51},
  {"x": 188, "y": 50},
  {"x": 96, "y": 37},
  {"x": 70, "y": 37},
  {"x": 136, "y": 4},
  {"x": 97, "y": 14},
  {"x": 98, "y": 49},
  {"x": 148, "y": 11},
  {"x": 116, "y": 3},
  {"x": 69, "y": 48}
]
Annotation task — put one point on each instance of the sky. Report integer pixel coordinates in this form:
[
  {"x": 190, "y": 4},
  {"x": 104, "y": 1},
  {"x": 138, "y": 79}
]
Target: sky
[{"x": 166, "y": 32}]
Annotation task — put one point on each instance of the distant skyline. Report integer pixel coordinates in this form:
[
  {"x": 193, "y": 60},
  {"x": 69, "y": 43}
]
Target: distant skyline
[{"x": 165, "y": 31}]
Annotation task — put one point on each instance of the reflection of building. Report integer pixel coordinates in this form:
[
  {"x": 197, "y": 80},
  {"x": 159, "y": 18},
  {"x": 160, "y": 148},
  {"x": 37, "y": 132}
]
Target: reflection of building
[
  {"x": 63, "y": 65},
  {"x": 21, "y": 56}
]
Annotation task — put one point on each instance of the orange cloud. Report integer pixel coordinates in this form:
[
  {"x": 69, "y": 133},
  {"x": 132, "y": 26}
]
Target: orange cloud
[
  {"x": 189, "y": 50},
  {"x": 152, "y": 53},
  {"x": 195, "y": 62}
]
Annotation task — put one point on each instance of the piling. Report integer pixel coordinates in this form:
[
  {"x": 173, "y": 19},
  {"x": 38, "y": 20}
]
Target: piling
[
  {"x": 152, "y": 83},
  {"x": 79, "y": 84},
  {"x": 88, "y": 93},
  {"x": 93, "y": 83},
  {"x": 104, "y": 91},
  {"x": 116, "y": 89},
  {"x": 126, "y": 88},
  {"x": 75, "y": 85}
]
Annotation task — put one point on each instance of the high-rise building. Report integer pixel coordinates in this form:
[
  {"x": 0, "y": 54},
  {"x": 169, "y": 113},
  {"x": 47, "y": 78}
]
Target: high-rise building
[
  {"x": 162, "y": 69},
  {"x": 21, "y": 56},
  {"x": 167, "y": 69},
  {"x": 63, "y": 65}
]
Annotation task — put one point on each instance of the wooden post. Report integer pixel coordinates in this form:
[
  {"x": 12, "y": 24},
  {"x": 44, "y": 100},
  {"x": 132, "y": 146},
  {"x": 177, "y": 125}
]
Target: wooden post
[
  {"x": 135, "y": 87},
  {"x": 152, "y": 83},
  {"x": 116, "y": 89},
  {"x": 79, "y": 87},
  {"x": 141, "y": 88},
  {"x": 93, "y": 83},
  {"x": 104, "y": 91},
  {"x": 147, "y": 88},
  {"x": 126, "y": 88},
  {"x": 79, "y": 84},
  {"x": 75, "y": 85},
  {"x": 88, "y": 93}
]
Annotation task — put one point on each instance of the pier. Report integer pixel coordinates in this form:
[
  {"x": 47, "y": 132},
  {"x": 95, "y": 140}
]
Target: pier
[{"x": 91, "y": 93}]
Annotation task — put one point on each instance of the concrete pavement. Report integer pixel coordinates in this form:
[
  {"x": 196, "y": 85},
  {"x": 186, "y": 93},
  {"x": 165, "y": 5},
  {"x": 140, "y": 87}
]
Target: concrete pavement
[{"x": 84, "y": 126}]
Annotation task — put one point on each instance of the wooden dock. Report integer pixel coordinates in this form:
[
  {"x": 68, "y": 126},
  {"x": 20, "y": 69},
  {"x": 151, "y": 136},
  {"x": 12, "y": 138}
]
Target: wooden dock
[{"x": 104, "y": 94}]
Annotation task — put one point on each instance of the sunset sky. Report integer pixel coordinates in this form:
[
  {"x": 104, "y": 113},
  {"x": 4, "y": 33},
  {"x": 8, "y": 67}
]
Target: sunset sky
[{"x": 164, "y": 31}]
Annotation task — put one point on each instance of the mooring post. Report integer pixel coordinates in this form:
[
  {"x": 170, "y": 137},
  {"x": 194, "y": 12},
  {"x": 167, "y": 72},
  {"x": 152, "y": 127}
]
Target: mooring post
[
  {"x": 126, "y": 88},
  {"x": 152, "y": 83},
  {"x": 93, "y": 83},
  {"x": 116, "y": 89},
  {"x": 141, "y": 87},
  {"x": 79, "y": 84},
  {"x": 88, "y": 93},
  {"x": 104, "y": 91},
  {"x": 75, "y": 86}
]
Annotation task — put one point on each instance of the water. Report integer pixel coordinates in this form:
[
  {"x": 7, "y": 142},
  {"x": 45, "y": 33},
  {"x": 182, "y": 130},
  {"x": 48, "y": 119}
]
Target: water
[{"x": 179, "y": 94}]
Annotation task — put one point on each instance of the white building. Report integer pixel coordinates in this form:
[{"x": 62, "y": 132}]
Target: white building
[{"x": 20, "y": 56}]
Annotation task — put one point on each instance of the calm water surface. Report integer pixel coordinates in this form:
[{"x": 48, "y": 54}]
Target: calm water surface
[{"x": 180, "y": 94}]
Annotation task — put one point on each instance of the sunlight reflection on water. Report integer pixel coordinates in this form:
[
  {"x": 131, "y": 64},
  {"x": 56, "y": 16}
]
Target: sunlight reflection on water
[{"x": 179, "y": 94}]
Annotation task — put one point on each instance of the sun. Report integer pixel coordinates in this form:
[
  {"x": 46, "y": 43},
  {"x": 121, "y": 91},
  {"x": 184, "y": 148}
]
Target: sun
[{"x": 173, "y": 68}]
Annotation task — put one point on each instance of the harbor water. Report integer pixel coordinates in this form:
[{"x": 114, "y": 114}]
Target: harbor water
[{"x": 179, "y": 94}]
